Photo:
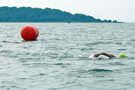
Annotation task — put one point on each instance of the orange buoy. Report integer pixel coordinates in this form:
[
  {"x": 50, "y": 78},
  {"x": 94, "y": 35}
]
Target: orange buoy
[{"x": 29, "y": 33}]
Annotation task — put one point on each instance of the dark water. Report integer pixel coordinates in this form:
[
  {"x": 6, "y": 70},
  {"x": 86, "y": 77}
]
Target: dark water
[{"x": 58, "y": 60}]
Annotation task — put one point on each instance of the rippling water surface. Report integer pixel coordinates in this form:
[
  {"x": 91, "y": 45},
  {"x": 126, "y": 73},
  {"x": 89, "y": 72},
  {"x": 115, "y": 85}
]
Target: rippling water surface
[{"x": 58, "y": 60}]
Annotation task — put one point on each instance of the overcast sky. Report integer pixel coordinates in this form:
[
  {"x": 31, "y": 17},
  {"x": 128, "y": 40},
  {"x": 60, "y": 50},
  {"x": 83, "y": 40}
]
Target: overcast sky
[{"x": 121, "y": 10}]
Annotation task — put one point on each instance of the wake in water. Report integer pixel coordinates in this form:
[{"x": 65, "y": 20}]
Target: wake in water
[
  {"x": 106, "y": 58},
  {"x": 110, "y": 56}
]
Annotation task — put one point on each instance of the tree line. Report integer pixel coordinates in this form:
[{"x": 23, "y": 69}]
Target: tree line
[{"x": 28, "y": 14}]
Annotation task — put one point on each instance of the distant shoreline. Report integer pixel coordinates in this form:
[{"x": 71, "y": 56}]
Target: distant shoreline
[
  {"x": 47, "y": 15},
  {"x": 61, "y": 22}
]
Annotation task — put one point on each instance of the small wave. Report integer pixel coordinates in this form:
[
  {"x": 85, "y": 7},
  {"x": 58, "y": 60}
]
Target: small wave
[
  {"x": 131, "y": 58},
  {"x": 13, "y": 87},
  {"x": 52, "y": 55},
  {"x": 62, "y": 64},
  {"x": 8, "y": 85},
  {"x": 101, "y": 70},
  {"x": 42, "y": 74},
  {"x": 118, "y": 43},
  {"x": 83, "y": 58},
  {"x": 5, "y": 41},
  {"x": 99, "y": 58},
  {"x": 1, "y": 46},
  {"x": 28, "y": 59},
  {"x": 54, "y": 48},
  {"x": 59, "y": 64},
  {"x": 132, "y": 39},
  {"x": 121, "y": 49},
  {"x": 65, "y": 55},
  {"x": 10, "y": 42},
  {"x": 95, "y": 70},
  {"x": 117, "y": 63},
  {"x": 6, "y": 53},
  {"x": 86, "y": 49},
  {"x": 97, "y": 43}
]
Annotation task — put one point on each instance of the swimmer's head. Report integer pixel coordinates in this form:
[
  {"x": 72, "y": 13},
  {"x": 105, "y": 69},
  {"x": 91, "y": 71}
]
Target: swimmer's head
[{"x": 122, "y": 55}]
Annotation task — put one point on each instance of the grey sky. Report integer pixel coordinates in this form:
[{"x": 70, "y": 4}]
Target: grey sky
[{"x": 122, "y": 10}]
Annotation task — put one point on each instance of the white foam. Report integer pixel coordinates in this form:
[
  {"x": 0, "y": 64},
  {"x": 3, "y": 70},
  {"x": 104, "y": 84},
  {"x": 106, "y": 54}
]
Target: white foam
[{"x": 91, "y": 56}]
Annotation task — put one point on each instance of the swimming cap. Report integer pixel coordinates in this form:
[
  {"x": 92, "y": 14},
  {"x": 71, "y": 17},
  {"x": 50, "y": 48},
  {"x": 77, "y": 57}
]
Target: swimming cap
[{"x": 122, "y": 55}]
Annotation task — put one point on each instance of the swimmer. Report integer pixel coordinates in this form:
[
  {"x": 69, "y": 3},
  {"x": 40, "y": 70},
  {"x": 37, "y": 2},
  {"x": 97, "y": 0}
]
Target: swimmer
[{"x": 108, "y": 55}]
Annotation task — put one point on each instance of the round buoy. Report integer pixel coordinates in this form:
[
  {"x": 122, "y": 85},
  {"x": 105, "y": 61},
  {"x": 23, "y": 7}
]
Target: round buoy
[{"x": 29, "y": 33}]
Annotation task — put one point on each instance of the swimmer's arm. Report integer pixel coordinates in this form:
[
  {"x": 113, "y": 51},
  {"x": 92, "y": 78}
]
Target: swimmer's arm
[
  {"x": 106, "y": 54},
  {"x": 97, "y": 55}
]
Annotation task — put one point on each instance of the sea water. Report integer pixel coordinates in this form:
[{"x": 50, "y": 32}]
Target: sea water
[{"x": 59, "y": 58}]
